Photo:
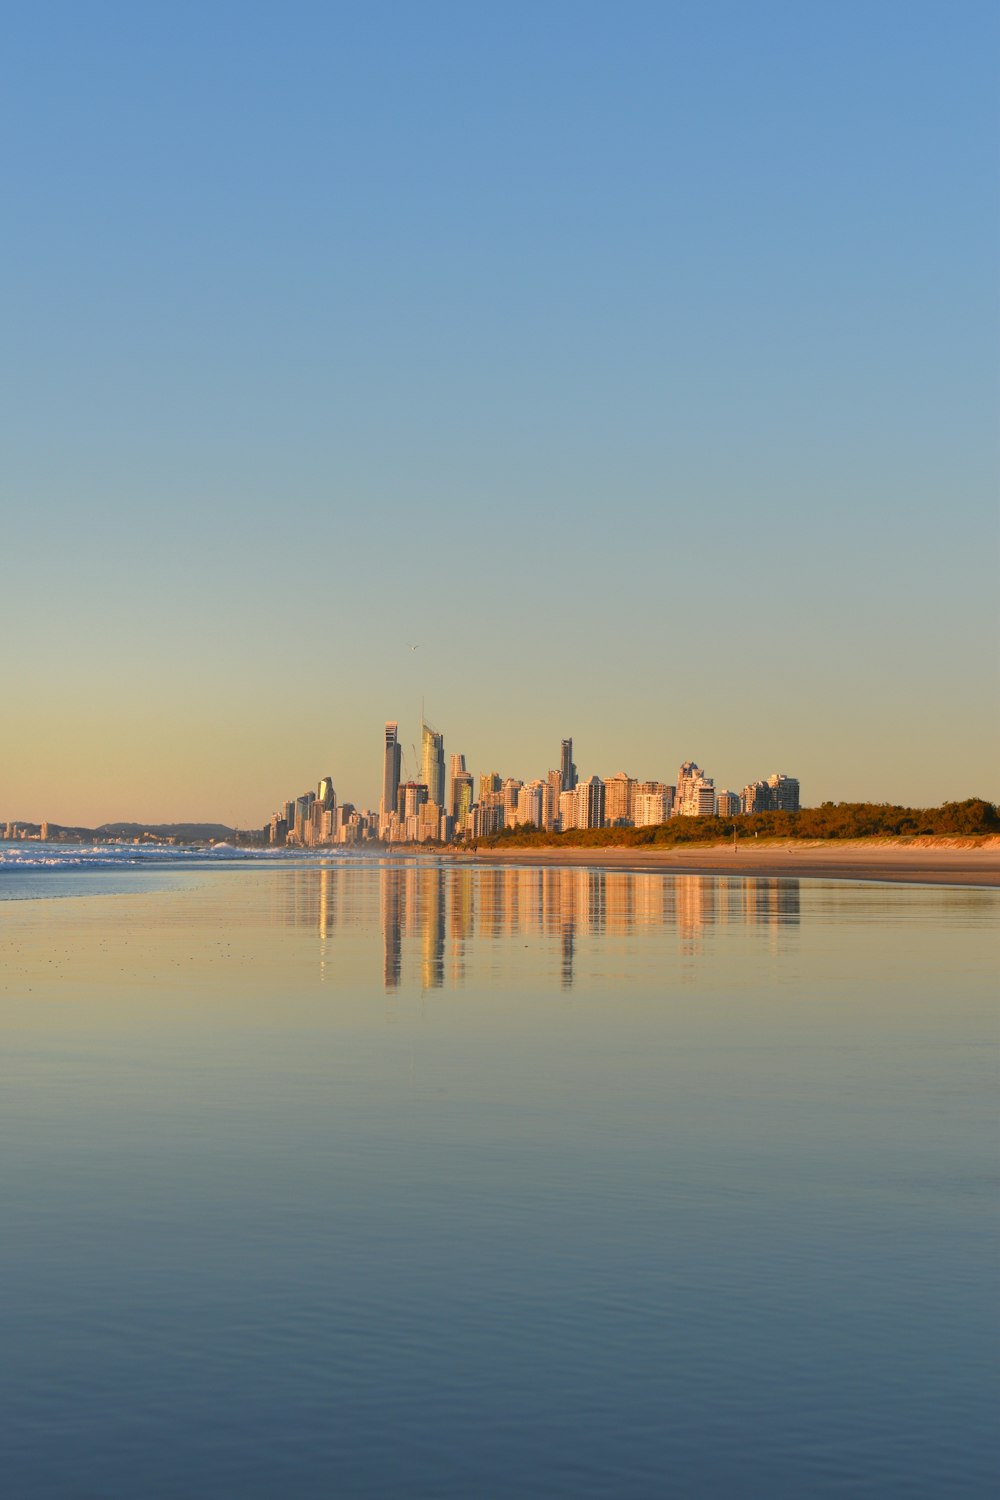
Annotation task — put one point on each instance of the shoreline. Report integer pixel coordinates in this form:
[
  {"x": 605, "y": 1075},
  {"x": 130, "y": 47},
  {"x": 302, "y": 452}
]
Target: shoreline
[{"x": 952, "y": 862}]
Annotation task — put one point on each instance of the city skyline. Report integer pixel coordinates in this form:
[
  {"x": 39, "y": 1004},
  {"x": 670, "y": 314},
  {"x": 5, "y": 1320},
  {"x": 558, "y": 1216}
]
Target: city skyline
[
  {"x": 425, "y": 808},
  {"x": 457, "y": 790},
  {"x": 454, "y": 789}
]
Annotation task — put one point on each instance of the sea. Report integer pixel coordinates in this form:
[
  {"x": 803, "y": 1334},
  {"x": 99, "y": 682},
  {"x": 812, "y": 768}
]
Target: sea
[{"x": 364, "y": 1176}]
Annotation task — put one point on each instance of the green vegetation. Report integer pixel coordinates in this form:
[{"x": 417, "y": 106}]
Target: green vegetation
[{"x": 974, "y": 818}]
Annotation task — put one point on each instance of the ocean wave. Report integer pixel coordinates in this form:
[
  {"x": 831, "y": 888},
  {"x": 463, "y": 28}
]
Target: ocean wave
[{"x": 33, "y": 855}]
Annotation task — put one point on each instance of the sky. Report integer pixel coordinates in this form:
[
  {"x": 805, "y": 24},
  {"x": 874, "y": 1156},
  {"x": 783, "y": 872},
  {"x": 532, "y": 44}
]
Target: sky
[{"x": 639, "y": 363}]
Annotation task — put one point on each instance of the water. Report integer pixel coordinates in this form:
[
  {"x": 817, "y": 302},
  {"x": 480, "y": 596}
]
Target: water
[{"x": 407, "y": 1178}]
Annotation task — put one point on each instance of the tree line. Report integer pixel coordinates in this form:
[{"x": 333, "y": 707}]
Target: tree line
[{"x": 973, "y": 818}]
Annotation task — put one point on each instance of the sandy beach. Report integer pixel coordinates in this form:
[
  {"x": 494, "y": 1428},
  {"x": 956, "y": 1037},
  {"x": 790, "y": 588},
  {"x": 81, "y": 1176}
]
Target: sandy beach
[{"x": 924, "y": 861}]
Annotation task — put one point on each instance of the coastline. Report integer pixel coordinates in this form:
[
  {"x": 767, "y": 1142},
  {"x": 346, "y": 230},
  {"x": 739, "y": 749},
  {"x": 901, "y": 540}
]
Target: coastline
[{"x": 955, "y": 861}]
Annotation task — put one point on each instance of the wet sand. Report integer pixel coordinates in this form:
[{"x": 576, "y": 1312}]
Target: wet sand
[{"x": 953, "y": 862}]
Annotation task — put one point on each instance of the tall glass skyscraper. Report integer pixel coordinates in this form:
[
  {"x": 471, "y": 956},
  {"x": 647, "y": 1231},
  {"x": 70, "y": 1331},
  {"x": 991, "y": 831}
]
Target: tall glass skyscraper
[
  {"x": 390, "y": 769},
  {"x": 567, "y": 767},
  {"x": 432, "y": 765}
]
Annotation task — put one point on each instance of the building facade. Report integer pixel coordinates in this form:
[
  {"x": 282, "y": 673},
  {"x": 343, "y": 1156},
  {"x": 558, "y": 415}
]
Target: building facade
[
  {"x": 432, "y": 764},
  {"x": 391, "y": 766},
  {"x": 566, "y": 766}
]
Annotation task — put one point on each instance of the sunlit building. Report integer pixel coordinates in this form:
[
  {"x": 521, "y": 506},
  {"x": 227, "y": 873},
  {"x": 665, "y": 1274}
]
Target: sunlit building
[
  {"x": 303, "y": 818},
  {"x": 756, "y": 797},
  {"x": 784, "y": 792},
  {"x": 650, "y": 809},
  {"x": 552, "y": 802},
  {"x": 618, "y": 793},
  {"x": 461, "y": 797},
  {"x": 412, "y": 795},
  {"x": 531, "y": 803},
  {"x": 695, "y": 792},
  {"x": 391, "y": 766},
  {"x": 590, "y": 803},
  {"x": 432, "y": 764},
  {"x": 510, "y": 791},
  {"x": 566, "y": 766}
]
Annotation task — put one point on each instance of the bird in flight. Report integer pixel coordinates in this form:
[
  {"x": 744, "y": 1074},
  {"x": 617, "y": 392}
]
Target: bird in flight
[{"x": 416, "y": 647}]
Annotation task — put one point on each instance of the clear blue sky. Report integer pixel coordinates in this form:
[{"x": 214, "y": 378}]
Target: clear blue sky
[{"x": 639, "y": 361}]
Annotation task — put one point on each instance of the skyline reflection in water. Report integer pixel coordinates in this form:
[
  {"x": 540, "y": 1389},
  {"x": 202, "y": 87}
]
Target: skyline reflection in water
[{"x": 432, "y": 913}]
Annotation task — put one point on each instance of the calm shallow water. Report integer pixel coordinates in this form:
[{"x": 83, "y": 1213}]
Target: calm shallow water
[{"x": 413, "y": 1180}]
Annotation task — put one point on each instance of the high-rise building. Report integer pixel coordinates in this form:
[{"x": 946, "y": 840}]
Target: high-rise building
[
  {"x": 410, "y": 796},
  {"x": 391, "y": 765},
  {"x": 567, "y": 767},
  {"x": 428, "y": 817},
  {"x": 461, "y": 797},
  {"x": 756, "y": 797},
  {"x": 490, "y": 815},
  {"x": 509, "y": 792},
  {"x": 784, "y": 792},
  {"x": 486, "y": 817},
  {"x": 531, "y": 804},
  {"x": 432, "y": 765},
  {"x": 590, "y": 803},
  {"x": 700, "y": 799},
  {"x": 325, "y": 795},
  {"x": 459, "y": 790},
  {"x": 650, "y": 808},
  {"x": 303, "y": 817},
  {"x": 695, "y": 792},
  {"x": 689, "y": 773},
  {"x": 618, "y": 793},
  {"x": 728, "y": 804},
  {"x": 552, "y": 802}
]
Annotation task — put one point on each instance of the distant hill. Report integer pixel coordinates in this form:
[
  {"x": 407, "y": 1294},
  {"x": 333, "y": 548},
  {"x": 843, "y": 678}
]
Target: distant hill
[
  {"x": 185, "y": 833},
  {"x": 189, "y": 833}
]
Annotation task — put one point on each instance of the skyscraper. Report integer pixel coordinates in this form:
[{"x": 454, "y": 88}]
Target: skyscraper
[
  {"x": 695, "y": 792},
  {"x": 650, "y": 808},
  {"x": 756, "y": 797},
  {"x": 567, "y": 767},
  {"x": 590, "y": 803},
  {"x": 459, "y": 790},
  {"x": 390, "y": 769},
  {"x": 432, "y": 765},
  {"x": 784, "y": 792},
  {"x": 461, "y": 797},
  {"x": 618, "y": 793},
  {"x": 531, "y": 803}
]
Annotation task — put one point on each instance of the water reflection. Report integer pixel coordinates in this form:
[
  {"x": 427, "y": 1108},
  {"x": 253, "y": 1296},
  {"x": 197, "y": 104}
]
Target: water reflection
[{"x": 437, "y": 911}]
